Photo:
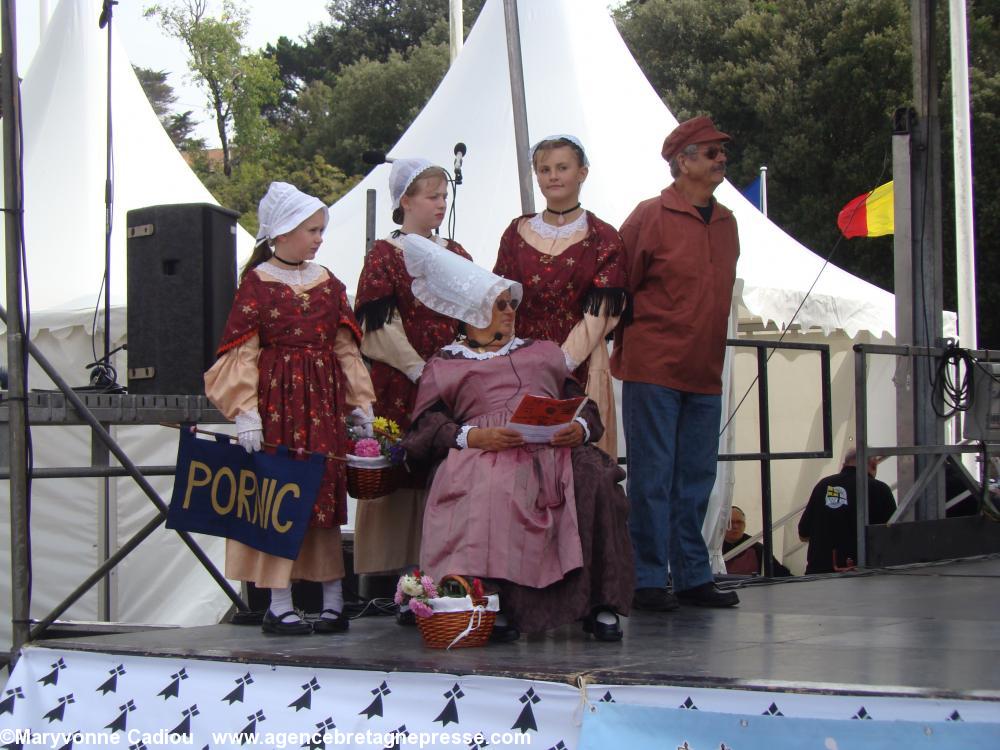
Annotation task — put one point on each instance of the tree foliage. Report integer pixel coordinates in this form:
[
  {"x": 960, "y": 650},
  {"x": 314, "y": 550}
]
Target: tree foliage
[
  {"x": 808, "y": 88},
  {"x": 239, "y": 83},
  {"x": 179, "y": 125}
]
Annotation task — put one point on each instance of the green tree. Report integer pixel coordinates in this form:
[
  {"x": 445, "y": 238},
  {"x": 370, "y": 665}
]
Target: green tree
[
  {"x": 361, "y": 29},
  {"x": 242, "y": 190},
  {"x": 239, "y": 83},
  {"x": 368, "y": 106},
  {"x": 161, "y": 97}
]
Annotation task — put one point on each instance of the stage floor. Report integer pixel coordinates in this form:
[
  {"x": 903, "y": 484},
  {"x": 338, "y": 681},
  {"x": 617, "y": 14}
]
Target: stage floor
[{"x": 929, "y": 631}]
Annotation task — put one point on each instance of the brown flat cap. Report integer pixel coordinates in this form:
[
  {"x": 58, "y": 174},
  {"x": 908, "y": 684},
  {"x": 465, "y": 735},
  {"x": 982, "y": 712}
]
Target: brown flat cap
[{"x": 695, "y": 130}]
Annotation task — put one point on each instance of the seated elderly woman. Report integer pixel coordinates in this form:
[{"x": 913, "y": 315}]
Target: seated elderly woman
[{"x": 547, "y": 523}]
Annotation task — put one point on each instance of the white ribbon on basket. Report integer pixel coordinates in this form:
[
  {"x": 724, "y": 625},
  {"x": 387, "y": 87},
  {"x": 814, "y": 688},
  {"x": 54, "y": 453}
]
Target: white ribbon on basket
[
  {"x": 465, "y": 604},
  {"x": 476, "y": 616}
]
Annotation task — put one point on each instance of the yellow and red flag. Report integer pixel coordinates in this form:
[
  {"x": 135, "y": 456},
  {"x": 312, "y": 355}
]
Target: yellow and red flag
[{"x": 868, "y": 215}]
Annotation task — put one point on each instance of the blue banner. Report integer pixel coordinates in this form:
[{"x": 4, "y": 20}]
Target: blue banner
[
  {"x": 618, "y": 725},
  {"x": 263, "y": 500}
]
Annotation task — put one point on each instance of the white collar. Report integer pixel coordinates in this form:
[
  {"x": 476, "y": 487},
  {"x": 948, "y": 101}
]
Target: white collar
[
  {"x": 463, "y": 351},
  {"x": 299, "y": 276},
  {"x": 554, "y": 232}
]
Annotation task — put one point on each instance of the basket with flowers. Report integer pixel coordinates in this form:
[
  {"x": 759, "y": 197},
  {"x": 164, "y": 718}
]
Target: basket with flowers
[
  {"x": 450, "y": 614},
  {"x": 374, "y": 463}
]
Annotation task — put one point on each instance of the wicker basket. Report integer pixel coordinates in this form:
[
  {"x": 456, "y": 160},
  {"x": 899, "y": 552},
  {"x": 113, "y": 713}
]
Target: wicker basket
[
  {"x": 469, "y": 627},
  {"x": 368, "y": 478}
]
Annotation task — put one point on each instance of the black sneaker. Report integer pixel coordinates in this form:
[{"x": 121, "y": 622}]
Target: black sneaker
[
  {"x": 654, "y": 600},
  {"x": 708, "y": 595}
]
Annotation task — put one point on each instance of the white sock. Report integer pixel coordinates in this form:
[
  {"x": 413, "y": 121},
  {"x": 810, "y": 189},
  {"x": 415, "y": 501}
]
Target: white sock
[
  {"x": 607, "y": 618},
  {"x": 281, "y": 602},
  {"x": 333, "y": 595}
]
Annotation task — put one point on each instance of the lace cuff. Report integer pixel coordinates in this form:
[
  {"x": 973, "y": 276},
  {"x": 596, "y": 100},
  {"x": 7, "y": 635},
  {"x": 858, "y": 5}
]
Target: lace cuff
[
  {"x": 248, "y": 420},
  {"x": 462, "y": 438},
  {"x": 586, "y": 429}
]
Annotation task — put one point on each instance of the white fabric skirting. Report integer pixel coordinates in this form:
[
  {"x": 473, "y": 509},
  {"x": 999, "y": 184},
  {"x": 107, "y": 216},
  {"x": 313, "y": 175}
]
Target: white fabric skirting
[{"x": 199, "y": 702}]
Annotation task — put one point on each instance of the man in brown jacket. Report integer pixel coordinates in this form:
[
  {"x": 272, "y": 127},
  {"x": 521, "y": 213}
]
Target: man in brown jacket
[{"x": 681, "y": 249}]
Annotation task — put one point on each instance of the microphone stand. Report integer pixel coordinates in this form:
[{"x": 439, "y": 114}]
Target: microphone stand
[{"x": 107, "y": 11}]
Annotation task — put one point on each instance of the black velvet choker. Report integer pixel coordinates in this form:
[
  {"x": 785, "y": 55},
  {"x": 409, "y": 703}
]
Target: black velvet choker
[
  {"x": 292, "y": 263},
  {"x": 562, "y": 214}
]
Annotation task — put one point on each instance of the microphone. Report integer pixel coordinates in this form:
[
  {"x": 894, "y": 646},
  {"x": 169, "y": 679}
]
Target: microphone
[
  {"x": 460, "y": 151},
  {"x": 106, "y": 13},
  {"x": 376, "y": 157}
]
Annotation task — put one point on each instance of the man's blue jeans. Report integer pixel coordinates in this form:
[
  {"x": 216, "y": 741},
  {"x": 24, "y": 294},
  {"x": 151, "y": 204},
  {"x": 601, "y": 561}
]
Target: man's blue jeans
[{"x": 672, "y": 442}]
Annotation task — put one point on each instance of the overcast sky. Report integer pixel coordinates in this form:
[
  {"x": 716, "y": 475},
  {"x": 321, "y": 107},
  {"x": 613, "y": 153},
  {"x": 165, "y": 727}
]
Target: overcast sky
[{"x": 148, "y": 47}]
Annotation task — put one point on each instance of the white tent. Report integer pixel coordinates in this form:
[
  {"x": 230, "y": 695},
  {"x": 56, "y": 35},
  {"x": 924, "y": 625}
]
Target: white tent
[
  {"x": 64, "y": 100},
  {"x": 580, "y": 78}
]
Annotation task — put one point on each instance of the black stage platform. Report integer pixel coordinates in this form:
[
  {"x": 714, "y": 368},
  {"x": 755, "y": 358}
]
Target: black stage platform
[{"x": 931, "y": 631}]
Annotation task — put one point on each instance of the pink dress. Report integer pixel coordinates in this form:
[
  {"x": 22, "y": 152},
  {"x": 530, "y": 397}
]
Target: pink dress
[{"x": 549, "y": 525}]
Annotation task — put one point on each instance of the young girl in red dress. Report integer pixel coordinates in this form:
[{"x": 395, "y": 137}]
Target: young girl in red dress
[
  {"x": 289, "y": 372},
  {"x": 400, "y": 335},
  {"x": 571, "y": 266}
]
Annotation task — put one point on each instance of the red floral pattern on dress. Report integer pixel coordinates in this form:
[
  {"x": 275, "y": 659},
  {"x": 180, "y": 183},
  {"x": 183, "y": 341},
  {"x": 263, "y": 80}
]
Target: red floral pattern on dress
[
  {"x": 301, "y": 386},
  {"x": 384, "y": 276},
  {"x": 556, "y": 287}
]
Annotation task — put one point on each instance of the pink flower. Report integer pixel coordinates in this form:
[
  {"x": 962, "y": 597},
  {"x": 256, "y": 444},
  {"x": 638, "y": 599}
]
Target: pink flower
[
  {"x": 367, "y": 448},
  {"x": 420, "y": 609},
  {"x": 430, "y": 590},
  {"x": 398, "y": 598}
]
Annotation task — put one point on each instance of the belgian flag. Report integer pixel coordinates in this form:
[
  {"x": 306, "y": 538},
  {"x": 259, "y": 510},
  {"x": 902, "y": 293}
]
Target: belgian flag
[{"x": 868, "y": 215}]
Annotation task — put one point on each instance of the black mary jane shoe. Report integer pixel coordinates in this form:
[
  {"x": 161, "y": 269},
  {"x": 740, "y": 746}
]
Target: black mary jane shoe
[
  {"x": 336, "y": 624},
  {"x": 406, "y": 618},
  {"x": 275, "y": 624},
  {"x": 603, "y": 631}
]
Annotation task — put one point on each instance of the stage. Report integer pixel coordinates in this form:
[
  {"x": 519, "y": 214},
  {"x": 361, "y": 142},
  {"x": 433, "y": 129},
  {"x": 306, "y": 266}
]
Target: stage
[{"x": 914, "y": 646}]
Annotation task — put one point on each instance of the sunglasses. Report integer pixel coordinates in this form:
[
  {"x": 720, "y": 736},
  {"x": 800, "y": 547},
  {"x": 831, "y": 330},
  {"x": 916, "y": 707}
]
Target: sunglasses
[
  {"x": 501, "y": 304},
  {"x": 712, "y": 152}
]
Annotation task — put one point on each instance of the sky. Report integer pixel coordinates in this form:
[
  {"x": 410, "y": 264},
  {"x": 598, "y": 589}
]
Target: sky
[{"x": 149, "y": 47}]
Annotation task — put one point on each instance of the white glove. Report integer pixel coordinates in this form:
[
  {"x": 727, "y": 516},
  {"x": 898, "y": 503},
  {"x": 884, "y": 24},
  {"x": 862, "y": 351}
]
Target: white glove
[
  {"x": 362, "y": 420},
  {"x": 571, "y": 364},
  {"x": 415, "y": 372},
  {"x": 249, "y": 430}
]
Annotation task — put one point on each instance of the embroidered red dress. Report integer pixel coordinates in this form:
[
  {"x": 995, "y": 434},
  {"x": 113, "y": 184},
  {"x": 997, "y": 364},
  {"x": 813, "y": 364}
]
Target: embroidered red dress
[
  {"x": 383, "y": 289},
  {"x": 588, "y": 276},
  {"x": 301, "y": 386}
]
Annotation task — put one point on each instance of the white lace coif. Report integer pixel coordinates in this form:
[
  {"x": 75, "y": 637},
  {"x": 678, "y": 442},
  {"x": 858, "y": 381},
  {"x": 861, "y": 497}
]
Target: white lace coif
[
  {"x": 451, "y": 285},
  {"x": 283, "y": 208},
  {"x": 402, "y": 175},
  {"x": 561, "y": 137}
]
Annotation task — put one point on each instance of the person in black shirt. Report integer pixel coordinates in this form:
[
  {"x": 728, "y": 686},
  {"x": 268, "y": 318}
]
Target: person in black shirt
[{"x": 829, "y": 522}]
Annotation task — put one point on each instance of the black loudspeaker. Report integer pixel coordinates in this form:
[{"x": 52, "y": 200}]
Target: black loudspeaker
[{"x": 181, "y": 284}]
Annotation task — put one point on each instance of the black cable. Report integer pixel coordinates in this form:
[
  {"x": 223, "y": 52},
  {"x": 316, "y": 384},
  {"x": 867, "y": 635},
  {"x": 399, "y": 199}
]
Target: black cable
[
  {"x": 952, "y": 396},
  {"x": 452, "y": 217},
  {"x": 788, "y": 325}
]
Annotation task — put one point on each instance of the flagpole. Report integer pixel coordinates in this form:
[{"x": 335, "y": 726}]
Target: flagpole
[
  {"x": 763, "y": 190},
  {"x": 965, "y": 252}
]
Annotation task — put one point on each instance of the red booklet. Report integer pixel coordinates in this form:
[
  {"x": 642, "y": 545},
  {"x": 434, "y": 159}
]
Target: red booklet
[{"x": 539, "y": 418}]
